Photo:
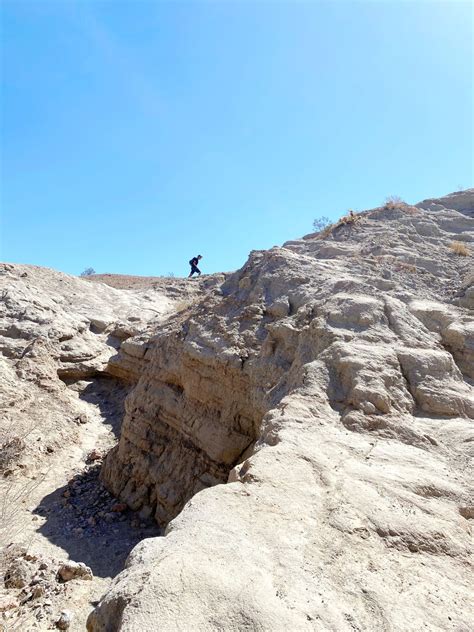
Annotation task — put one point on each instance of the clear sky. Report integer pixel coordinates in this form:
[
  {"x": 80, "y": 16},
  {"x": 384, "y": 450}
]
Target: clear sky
[{"x": 138, "y": 134}]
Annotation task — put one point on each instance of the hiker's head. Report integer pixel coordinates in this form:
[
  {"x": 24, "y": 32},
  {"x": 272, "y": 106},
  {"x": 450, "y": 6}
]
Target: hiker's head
[{"x": 199, "y": 256}]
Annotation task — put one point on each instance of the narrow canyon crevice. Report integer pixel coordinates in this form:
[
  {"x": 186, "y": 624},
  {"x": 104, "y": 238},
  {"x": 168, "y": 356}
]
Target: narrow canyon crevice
[{"x": 182, "y": 432}]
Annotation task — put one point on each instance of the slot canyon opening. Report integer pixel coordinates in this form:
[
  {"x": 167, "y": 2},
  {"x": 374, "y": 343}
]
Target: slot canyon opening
[{"x": 180, "y": 436}]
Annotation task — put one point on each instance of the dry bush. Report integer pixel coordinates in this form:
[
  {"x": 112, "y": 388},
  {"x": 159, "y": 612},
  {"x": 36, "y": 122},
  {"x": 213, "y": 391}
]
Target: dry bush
[
  {"x": 13, "y": 441},
  {"x": 351, "y": 218},
  {"x": 459, "y": 248},
  {"x": 13, "y": 496},
  {"x": 393, "y": 202},
  {"x": 323, "y": 226},
  {"x": 321, "y": 223},
  {"x": 327, "y": 231},
  {"x": 10, "y": 451},
  {"x": 14, "y": 493}
]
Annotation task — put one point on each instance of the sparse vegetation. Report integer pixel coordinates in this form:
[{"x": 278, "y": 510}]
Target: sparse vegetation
[
  {"x": 321, "y": 223},
  {"x": 393, "y": 202},
  {"x": 326, "y": 231},
  {"x": 88, "y": 272},
  {"x": 350, "y": 218},
  {"x": 10, "y": 451},
  {"x": 13, "y": 492},
  {"x": 13, "y": 495},
  {"x": 13, "y": 442},
  {"x": 459, "y": 248},
  {"x": 325, "y": 227}
]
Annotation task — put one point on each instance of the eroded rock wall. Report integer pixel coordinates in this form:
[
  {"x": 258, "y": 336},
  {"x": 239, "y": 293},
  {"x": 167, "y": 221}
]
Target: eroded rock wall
[
  {"x": 344, "y": 364},
  {"x": 56, "y": 329}
]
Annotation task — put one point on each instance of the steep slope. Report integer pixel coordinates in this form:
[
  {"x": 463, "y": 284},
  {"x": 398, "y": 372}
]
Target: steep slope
[
  {"x": 330, "y": 383},
  {"x": 60, "y": 411},
  {"x": 55, "y": 328}
]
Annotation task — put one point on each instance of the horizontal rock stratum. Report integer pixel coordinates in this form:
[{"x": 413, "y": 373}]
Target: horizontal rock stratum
[
  {"x": 302, "y": 429},
  {"x": 328, "y": 382}
]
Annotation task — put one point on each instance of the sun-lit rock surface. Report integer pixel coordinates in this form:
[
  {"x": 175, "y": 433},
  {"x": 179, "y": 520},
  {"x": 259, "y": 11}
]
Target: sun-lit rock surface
[{"x": 329, "y": 382}]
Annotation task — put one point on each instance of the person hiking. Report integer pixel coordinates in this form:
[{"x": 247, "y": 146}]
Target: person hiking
[{"x": 194, "y": 265}]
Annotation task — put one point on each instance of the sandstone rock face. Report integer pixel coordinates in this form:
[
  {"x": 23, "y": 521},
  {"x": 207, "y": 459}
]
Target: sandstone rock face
[
  {"x": 462, "y": 201},
  {"x": 329, "y": 383},
  {"x": 81, "y": 323},
  {"x": 60, "y": 412},
  {"x": 55, "y": 328}
]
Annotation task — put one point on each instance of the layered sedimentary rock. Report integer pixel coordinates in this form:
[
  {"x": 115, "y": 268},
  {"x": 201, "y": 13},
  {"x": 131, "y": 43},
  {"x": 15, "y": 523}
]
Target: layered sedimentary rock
[
  {"x": 329, "y": 382},
  {"x": 56, "y": 328},
  {"x": 462, "y": 201},
  {"x": 60, "y": 410}
]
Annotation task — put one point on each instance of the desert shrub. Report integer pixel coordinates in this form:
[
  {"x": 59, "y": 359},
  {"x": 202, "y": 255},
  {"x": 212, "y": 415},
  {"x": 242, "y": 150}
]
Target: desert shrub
[
  {"x": 14, "y": 494},
  {"x": 87, "y": 272},
  {"x": 10, "y": 451},
  {"x": 394, "y": 201},
  {"x": 14, "y": 491},
  {"x": 327, "y": 231},
  {"x": 321, "y": 223},
  {"x": 13, "y": 440},
  {"x": 350, "y": 218},
  {"x": 459, "y": 248},
  {"x": 325, "y": 228}
]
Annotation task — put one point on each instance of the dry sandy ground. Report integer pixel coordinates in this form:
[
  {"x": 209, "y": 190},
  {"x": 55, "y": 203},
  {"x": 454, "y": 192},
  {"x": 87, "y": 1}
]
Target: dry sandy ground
[
  {"x": 56, "y": 516},
  {"x": 130, "y": 282}
]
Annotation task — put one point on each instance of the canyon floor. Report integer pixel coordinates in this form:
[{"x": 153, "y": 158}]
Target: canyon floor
[{"x": 286, "y": 447}]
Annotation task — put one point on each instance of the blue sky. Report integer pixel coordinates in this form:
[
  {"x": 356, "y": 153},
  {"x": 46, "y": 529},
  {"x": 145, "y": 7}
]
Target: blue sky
[{"x": 137, "y": 134}]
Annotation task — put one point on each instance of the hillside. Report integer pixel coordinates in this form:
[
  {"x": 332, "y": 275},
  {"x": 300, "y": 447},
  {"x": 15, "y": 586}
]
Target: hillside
[{"x": 299, "y": 431}]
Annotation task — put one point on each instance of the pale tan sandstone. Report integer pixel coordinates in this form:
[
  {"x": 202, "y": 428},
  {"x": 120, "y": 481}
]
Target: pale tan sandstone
[
  {"x": 59, "y": 404},
  {"x": 328, "y": 381}
]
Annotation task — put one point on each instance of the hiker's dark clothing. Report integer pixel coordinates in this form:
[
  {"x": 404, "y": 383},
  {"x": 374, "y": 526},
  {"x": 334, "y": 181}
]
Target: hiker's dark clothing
[{"x": 194, "y": 269}]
